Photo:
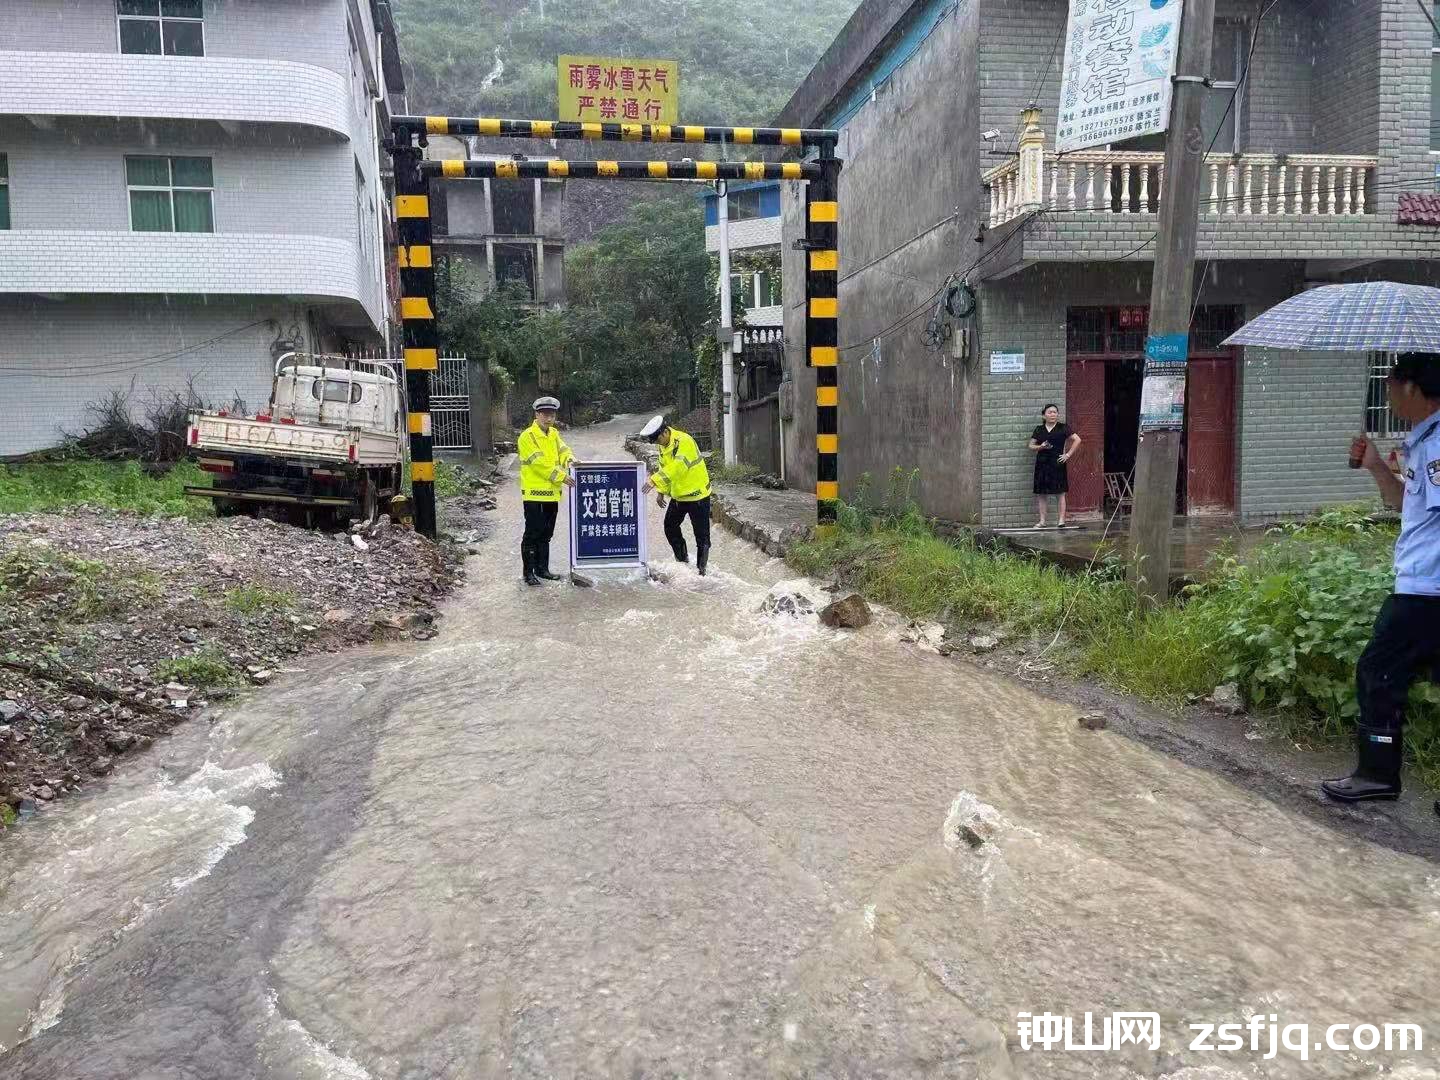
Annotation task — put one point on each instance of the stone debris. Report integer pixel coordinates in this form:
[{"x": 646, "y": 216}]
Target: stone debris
[
  {"x": 122, "y": 626},
  {"x": 984, "y": 643},
  {"x": 850, "y": 613},
  {"x": 923, "y": 633}
]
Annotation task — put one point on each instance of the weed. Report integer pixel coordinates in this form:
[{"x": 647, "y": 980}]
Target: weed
[
  {"x": 204, "y": 669},
  {"x": 56, "y": 485},
  {"x": 258, "y": 600},
  {"x": 8, "y": 816},
  {"x": 83, "y": 588},
  {"x": 1287, "y": 622}
]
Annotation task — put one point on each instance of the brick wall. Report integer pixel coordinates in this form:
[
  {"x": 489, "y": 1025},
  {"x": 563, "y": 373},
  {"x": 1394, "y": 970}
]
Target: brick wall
[
  {"x": 1347, "y": 75},
  {"x": 83, "y": 347},
  {"x": 310, "y": 30},
  {"x": 304, "y": 187},
  {"x": 1404, "y": 96},
  {"x": 1278, "y": 98}
]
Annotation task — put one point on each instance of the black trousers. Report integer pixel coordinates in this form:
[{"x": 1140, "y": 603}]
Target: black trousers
[
  {"x": 1404, "y": 647},
  {"x": 539, "y": 528},
  {"x": 699, "y": 514}
]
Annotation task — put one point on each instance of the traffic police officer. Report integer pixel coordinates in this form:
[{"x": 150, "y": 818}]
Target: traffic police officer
[
  {"x": 682, "y": 477},
  {"x": 1406, "y": 640},
  {"x": 544, "y": 473}
]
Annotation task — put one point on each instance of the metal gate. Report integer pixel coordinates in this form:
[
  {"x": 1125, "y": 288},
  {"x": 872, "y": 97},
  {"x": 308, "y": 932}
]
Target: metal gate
[{"x": 450, "y": 403}]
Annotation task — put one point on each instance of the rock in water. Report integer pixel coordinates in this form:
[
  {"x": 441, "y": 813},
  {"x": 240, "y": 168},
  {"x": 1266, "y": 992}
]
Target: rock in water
[
  {"x": 1092, "y": 721},
  {"x": 851, "y": 613},
  {"x": 794, "y": 604}
]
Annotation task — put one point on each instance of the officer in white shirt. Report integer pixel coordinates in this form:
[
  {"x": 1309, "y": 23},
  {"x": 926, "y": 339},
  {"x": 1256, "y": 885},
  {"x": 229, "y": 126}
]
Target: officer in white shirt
[{"x": 1405, "y": 643}]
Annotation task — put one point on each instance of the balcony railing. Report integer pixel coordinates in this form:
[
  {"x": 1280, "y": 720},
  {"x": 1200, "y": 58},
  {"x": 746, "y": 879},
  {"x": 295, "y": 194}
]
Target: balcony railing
[{"x": 1133, "y": 182}]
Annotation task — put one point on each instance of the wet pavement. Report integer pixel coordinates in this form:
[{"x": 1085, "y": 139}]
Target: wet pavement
[{"x": 646, "y": 830}]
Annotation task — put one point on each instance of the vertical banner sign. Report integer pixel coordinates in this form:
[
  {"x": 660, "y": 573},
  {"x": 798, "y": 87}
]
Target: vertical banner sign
[
  {"x": 1119, "y": 59},
  {"x": 609, "y": 90},
  {"x": 607, "y": 515},
  {"x": 1162, "y": 394}
]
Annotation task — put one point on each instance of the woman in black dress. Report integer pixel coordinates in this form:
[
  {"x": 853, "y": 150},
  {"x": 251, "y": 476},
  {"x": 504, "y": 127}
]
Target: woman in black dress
[{"x": 1053, "y": 444}]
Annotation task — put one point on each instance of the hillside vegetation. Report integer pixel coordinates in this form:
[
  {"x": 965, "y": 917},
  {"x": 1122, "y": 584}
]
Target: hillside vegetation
[{"x": 740, "y": 60}]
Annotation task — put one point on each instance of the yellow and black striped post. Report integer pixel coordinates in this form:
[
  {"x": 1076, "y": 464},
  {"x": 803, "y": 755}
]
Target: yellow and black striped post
[
  {"x": 611, "y": 132},
  {"x": 822, "y": 332},
  {"x": 417, "y": 311}
]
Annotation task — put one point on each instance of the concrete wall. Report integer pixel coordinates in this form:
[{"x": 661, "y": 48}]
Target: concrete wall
[
  {"x": 59, "y": 356},
  {"x": 910, "y": 407}
]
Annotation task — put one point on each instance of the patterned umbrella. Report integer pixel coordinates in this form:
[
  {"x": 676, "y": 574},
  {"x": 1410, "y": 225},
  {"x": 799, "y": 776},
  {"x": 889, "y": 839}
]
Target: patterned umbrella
[{"x": 1378, "y": 316}]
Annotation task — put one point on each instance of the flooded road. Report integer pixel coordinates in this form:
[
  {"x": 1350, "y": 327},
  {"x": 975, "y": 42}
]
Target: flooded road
[{"x": 646, "y": 830}]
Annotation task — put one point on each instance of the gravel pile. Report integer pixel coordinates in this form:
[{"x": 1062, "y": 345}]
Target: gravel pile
[{"x": 116, "y": 627}]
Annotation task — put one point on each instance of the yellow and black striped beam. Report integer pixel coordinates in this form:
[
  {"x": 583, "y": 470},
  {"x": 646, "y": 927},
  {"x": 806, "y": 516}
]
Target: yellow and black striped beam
[
  {"x": 624, "y": 170},
  {"x": 822, "y": 336},
  {"x": 415, "y": 259},
  {"x": 612, "y": 132}
]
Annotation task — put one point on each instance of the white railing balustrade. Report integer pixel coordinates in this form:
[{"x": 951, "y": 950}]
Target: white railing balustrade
[{"x": 1133, "y": 182}]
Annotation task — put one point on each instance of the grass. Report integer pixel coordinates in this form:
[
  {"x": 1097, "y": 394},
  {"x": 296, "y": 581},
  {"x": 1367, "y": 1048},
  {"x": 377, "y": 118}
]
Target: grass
[
  {"x": 258, "y": 600},
  {"x": 205, "y": 669},
  {"x": 739, "y": 473},
  {"x": 1286, "y": 623},
  {"x": 8, "y": 816},
  {"x": 57, "y": 485}
]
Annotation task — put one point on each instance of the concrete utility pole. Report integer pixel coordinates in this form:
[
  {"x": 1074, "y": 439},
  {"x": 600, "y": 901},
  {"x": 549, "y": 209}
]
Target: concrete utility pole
[
  {"x": 1167, "y": 349},
  {"x": 727, "y": 349}
]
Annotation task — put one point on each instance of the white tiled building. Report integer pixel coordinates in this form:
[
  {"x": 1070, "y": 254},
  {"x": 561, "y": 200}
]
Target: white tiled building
[{"x": 187, "y": 188}]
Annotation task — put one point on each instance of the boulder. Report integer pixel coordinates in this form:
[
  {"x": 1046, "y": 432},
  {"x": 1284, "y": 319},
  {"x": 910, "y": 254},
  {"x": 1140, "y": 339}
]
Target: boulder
[
  {"x": 1226, "y": 698},
  {"x": 10, "y": 711},
  {"x": 851, "y": 613},
  {"x": 102, "y": 765},
  {"x": 983, "y": 643},
  {"x": 45, "y": 793},
  {"x": 119, "y": 741},
  {"x": 1092, "y": 721}
]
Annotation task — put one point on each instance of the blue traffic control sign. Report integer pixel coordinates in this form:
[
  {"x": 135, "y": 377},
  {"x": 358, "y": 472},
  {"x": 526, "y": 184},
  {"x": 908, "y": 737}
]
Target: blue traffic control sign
[{"x": 607, "y": 515}]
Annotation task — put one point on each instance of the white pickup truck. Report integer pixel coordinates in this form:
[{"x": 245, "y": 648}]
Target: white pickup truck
[{"x": 328, "y": 446}]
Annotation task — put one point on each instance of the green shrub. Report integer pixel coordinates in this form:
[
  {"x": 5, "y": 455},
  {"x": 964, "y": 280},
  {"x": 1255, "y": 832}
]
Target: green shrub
[
  {"x": 739, "y": 473},
  {"x": 205, "y": 669},
  {"x": 83, "y": 588}
]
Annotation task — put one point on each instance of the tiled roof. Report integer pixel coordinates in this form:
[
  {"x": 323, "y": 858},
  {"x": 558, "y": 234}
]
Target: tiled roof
[{"x": 1417, "y": 209}]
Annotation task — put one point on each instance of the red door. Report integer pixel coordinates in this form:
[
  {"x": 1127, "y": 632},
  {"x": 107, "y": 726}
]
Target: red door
[
  {"x": 1085, "y": 415},
  {"x": 1210, "y": 436}
]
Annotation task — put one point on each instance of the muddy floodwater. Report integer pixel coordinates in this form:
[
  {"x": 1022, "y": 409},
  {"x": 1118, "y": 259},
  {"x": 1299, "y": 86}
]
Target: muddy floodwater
[{"x": 645, "y": 830}]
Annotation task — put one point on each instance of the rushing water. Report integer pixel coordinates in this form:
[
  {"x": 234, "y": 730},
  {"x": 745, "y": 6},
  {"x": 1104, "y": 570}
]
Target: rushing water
[{"x": 646, "y": 830}]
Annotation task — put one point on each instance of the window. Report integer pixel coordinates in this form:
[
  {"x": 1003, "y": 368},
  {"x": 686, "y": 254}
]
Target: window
[
  {"x": 156, "y": 27},
  {"x": 744, "y": 205},
  {"x": 4, "y": 192},
  {"x": 336, "y": 390},
  {"x": 170, "y": 194},
  {"x": 1379, "y": 421},
  {"x": 769, "y": 289}
]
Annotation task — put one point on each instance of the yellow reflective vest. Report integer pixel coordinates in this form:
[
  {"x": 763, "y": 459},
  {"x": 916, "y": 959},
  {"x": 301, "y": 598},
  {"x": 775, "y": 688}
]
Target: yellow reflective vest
[
  {"x": 682, "y": 474},
  {"x": 544, "y": 459}
]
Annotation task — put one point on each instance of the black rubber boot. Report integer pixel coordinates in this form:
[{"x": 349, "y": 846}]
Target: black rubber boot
[
  {"x": 682, "y": 553},
  {"x": 1377, "y": 768},
  {"x": 542, "y": 564},
  {"x": 702, "y": 557},
  {"x": 527, "y": 560}
]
